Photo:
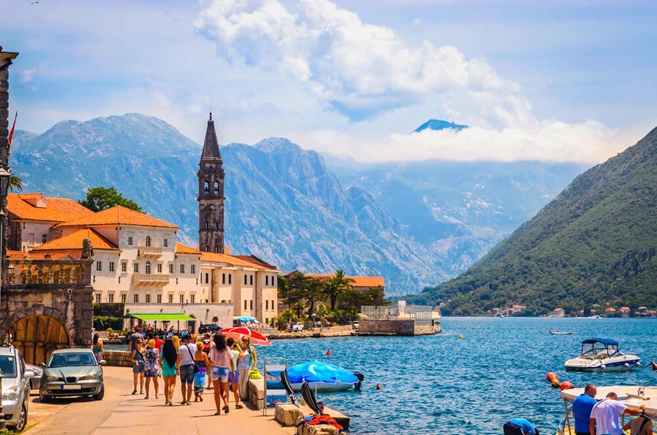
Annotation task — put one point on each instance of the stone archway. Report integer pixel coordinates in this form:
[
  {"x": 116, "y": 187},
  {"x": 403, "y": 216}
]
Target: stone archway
[{"x": 37, "y": 336}]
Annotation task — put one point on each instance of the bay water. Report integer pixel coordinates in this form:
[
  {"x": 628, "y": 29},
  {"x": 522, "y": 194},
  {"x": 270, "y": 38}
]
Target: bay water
[{"x": 445, "y": 385}]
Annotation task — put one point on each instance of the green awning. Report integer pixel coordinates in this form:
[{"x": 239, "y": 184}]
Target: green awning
[{"x": 162, "y": 317}]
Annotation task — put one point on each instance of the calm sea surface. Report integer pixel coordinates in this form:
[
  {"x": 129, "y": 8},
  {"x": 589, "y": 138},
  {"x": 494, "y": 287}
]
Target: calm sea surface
[{"x": 445, "y": 385}]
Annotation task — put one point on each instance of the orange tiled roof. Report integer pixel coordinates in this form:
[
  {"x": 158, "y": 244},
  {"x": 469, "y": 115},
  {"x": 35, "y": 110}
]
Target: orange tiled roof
[
  {"x": 359, "y": 281},
  {"x": 229, "y": 259},
  {"x": 24, "y": 207},
  {"x": 40, "y": 255},
  {"x": 119, "y": 215},
  {"x": 74, "y": 242},
  {"x": 184, "y": 249},
  {"x": 255, "y": 260}
]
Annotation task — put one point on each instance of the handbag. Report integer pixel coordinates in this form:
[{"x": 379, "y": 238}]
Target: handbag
[{"x": 196, "y": 367}]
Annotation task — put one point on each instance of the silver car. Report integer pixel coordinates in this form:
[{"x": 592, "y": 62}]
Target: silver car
[
  {"x": 72, "y": 372},
  {"x": 15, "y": 387}
]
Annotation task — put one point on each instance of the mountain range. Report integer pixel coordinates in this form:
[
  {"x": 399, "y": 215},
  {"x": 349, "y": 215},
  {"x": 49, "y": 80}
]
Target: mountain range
[
  {"x": 416, "y": 224},
  {"x": 593, "y": 246}
]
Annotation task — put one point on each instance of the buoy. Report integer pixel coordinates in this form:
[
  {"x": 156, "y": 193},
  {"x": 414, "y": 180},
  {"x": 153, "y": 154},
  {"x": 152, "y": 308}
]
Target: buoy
[
  {"x": 551, "y": 376},
  {"x": 460, "y": 335},
  {"x": 329, "y": 353},
  {"x": 379, "y": 387},
  {"x": 565, "y": 385}
]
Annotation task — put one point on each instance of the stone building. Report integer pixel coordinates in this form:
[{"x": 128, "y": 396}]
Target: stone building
[{"x": 211, "y": 194}]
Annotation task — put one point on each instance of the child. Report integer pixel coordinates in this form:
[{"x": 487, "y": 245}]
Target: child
[{"x": 199, "y": 384}]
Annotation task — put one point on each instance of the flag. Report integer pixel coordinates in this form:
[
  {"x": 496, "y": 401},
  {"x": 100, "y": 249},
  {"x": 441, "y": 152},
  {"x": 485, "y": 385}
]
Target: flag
[{"x": 11, "y": 134}]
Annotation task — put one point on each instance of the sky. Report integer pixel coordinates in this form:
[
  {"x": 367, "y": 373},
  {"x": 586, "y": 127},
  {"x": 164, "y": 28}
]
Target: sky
[{"x": 535, "y": 80}]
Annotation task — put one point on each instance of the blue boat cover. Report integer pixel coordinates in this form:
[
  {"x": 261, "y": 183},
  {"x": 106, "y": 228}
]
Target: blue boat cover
[
  {"x": 319, "y": 372},
  {"x": 605, "y": 341}
]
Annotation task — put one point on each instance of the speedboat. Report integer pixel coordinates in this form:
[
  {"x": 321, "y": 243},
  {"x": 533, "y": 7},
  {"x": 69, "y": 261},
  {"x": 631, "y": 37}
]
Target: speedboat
[
  {"x": 600, "y": 355},
  {"x": 322, "y": 377},
  {"x": 557, "y": 332}
]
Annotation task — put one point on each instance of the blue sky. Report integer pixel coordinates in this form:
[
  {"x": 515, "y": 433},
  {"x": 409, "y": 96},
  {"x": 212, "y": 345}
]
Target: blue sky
[{"x": 549, "y": 80}]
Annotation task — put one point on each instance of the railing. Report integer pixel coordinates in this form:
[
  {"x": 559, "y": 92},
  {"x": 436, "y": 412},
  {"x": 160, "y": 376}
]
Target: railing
[
  {"x": 150, "y": 251},
  {"x": 145, "y": 278},
  {"x": 421, "y": 314},
  {"x": 66, "y": 272}
]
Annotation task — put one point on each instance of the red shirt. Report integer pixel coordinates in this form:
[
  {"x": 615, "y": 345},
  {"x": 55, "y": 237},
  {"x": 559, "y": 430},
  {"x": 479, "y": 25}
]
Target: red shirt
[{"x": 158, "y": 344}]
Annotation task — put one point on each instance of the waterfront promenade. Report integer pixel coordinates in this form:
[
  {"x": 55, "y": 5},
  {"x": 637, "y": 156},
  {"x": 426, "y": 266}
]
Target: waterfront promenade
[{"x": 120, "y": 412}]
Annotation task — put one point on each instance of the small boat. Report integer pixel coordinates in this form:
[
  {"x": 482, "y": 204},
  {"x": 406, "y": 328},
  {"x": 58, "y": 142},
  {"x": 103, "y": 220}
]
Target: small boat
[
  {"x": 322, "y": 377},
  {"x": 600, "y": 355},
  {"x": 557, "y": 332},
  {"x": 629, "y": 395}
]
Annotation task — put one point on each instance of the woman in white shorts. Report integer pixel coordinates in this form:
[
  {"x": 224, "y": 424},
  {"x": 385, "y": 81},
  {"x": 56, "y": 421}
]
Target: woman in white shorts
[{"x": 222, "y": 363}]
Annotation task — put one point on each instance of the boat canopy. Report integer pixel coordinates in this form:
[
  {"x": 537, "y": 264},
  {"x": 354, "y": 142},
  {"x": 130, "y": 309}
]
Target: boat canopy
[{"x": 605, "y": 341}]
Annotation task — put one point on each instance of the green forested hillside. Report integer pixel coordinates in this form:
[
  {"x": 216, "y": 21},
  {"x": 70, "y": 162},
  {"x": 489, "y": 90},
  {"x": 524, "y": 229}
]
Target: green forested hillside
[{"x": 595, "y": 243}]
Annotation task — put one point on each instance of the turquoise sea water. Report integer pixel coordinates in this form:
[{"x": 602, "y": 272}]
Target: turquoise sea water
[{"x": 445, "y": 385}]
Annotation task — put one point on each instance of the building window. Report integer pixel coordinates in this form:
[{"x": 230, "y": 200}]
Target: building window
[
  {"x": 171, "y": 268},
  {"x": 216, "y": 249},
  {"x": 136, "y": 299},
  {"x": 207, "y": 278},
  {"x": 266, "y": 280},
  {"x": 97, "y": 298},
  {"x": 273, "y": 280},
  {"x": 135, "y": 267},
  {"x": 148, "y": 299},
  {"x": 182, "y": 268},
  {"x": 166, "y": 243},
  {"x": 266, "y": 305},
  {"x": 207, "y": 226},
  {"x": 272, "y": 305},
  {"x": 230, "y": 278},
  {"x": 124, "y": 266},
  {"x": 216, "y": 225},
  {"x": 124, "y": 298},
  {"x": 159, "y": 267},
  {"x": 250, "y": 279},
  {"x": 111, "y": 266},
  {"x": 148, "y": 268},
  {"x": 129, "y": 240},
  {"x": 245, "y": 304},
  {"x": 223, "y": 278},
  {"x": 170, "y": 299},
  {"x": 206, "y": 188},
  {"x": 148, "y": 240},
  {"x": 44, "y": 238},
  {"x": 216, "y": 188},
  {"x": 159, "y": 299},
  {"x": 99, "y": 266},
  {"x": 182, "y": 299},
  {"x": 192, "y": 269},
  {"x": 251, "y": 304},
  {"x": 191, "y": 298},
  {"x": 110, "y": 298},
  {"x": 246, "y": 280}
]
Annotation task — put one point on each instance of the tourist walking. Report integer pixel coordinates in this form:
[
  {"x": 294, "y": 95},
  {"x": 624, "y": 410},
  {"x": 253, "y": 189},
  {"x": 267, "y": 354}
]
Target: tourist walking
[
  {"x": 176, "y": 342},
  {"x": 98, "y": 348},
  {"x": 151, "y": 367},
  {"x": 582, "y": 406},
  {"x": 222, "y": 362},
  {"x": 138, "y": 366},
  {"x": 186, "y": 368},
  {"x": 605, "y": 416},
  {"x": 519, "y": 426},
  {"x": 203, "y": 363},
  {"x": 234, "y": 377},
  {"x": 245, "y": 365},
  {"x": 168, "y": 361}
]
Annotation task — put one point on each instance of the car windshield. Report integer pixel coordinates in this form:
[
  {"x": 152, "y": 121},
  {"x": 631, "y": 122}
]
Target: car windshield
[
  {"x": 8, "y": 366},
  {"x": 72, "y": 359}
]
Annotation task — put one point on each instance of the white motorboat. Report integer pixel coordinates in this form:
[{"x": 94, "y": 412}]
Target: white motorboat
[{"x": 600, "y": 355}]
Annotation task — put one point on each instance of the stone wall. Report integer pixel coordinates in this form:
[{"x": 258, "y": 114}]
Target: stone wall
[
  {"x": 118, "y": 358},
  {"x": 427, "y": 329},
  {"x": 386, "y": 327}
]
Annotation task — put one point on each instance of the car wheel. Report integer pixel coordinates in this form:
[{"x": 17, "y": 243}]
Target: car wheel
[
  {"x": 100, "y": 395},
  {"x": 43, "y": 398},
  {"x": 22, "y": 419}
]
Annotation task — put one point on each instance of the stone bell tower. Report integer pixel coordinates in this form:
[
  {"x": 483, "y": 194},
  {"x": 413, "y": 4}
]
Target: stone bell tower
[{"x": 211, "y": 194}]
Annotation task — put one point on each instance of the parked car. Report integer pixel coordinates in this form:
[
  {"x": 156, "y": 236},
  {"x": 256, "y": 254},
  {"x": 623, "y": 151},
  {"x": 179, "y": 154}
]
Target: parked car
[
  {"x": 35, "y": 382},
  {"x": 15, "y": 388},
  {"x": 356, "y": 325},
  {"x": 72, "y": 372},
  {"x": 297, "y": 327},
  {"x": 212, "y": 328}
]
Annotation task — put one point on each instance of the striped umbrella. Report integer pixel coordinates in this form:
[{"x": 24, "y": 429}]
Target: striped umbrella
[{"x": 237, "y": 333}]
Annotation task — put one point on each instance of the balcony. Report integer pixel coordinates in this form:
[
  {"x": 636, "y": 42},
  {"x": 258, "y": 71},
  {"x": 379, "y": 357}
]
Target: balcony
[
  {"x": 150, "y": 251},
  {"x": 149, "y": 279}
]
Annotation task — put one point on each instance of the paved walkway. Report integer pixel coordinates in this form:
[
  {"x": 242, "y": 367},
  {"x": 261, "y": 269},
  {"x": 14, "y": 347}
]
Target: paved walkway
[{"x": 122, "y": 413}]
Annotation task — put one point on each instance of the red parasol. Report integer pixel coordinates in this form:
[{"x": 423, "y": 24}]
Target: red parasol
[{"x": 237, "y": 333}]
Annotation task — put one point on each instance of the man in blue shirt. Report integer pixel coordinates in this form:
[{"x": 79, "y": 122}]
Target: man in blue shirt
[
  {"x": 519, "y": 426},
  {"x": 582, "y": 406}
]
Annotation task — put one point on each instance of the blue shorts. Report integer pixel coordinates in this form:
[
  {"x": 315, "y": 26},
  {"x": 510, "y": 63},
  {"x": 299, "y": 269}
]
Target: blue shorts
[
  {"x": 219, "y": 374},
  {"x": 138, "y": 368},
  {"x": 187, "y": 374}
]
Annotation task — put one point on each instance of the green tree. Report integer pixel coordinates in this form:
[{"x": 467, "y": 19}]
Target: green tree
[
  {"x": 314, "y": 292},
  {"x": 337, "y": 285},
  {"x": 298, "y": 308},
  {"x": 101, "y": 198},
  {"x": 15, "y": 183}
]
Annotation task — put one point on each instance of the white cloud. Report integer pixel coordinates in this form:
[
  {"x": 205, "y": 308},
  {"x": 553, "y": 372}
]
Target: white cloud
[
  {"x": 358, "y": 69},
  {"x": 27, "y": 75}
]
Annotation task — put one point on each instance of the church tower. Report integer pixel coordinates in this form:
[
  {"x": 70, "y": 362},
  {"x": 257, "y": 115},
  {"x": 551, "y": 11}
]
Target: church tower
[{"x": 211, "y": 194}]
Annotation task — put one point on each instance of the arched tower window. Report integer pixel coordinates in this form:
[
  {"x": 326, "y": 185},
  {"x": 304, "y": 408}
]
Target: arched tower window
[
  {"x": 216, "y": 188},
  {"x": 148, "y": 240},
  {"x": 148, "y": 268},
  {"x": 206, "y": 188},
  {"x": 207, "y": 225}
]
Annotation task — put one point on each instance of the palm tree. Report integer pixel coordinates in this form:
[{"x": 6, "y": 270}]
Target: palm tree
[
  {"x": 15, "y": 183},
  {"x": 337, "y": 285}
]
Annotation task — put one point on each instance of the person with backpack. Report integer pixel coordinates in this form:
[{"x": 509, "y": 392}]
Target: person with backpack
[{"x": 519, "y": 426}]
